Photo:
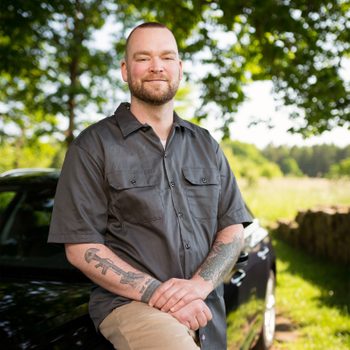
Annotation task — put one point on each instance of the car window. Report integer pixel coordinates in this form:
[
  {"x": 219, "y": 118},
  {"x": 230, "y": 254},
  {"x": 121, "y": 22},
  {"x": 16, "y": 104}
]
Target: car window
[
  {"x": 5, "y": 199},
  {"x": 24, "y": 225}
]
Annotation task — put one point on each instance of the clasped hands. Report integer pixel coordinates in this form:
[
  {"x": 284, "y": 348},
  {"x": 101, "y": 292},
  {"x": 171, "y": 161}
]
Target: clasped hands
[{"x": 184, "y": 300}]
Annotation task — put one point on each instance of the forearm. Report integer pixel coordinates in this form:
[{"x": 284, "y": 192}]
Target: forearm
[
  {"x": 221, "y": 258},
  {"x": 109, "y": 271},
  {"x": 176, "y": 293}
]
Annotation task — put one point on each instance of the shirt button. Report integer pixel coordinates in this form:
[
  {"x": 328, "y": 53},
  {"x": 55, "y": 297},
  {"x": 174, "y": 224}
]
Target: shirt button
[
  {"x": 180, "y": 214},
  {"x": 204, "y": 180},
  {"x": 165, "y": 154},
  {"x": 187, "y": 246},
  {"x": 133, "y": 181},
  {"x": 172, "y": 184}
]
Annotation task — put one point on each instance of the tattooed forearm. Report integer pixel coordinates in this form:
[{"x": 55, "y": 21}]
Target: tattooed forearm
[
  {"x": 148, "y": 289},
  {"x": 131, "y": 278},
  {"x": 220, "y": 260}
]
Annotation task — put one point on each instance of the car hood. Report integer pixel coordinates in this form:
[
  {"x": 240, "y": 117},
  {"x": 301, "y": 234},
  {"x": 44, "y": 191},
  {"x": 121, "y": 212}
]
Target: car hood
[{"x": 29, "y": 310}]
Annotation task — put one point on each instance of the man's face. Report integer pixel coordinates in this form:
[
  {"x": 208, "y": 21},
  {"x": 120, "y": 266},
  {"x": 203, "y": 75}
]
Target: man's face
[{"x": 152, "y": 67}]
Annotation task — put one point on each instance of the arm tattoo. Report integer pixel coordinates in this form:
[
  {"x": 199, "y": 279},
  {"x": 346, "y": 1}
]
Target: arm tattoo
[
  {"x": 220, "y": 261},
  {"x": 148, "y": 289},
  {"x": 131, "y": 278}
]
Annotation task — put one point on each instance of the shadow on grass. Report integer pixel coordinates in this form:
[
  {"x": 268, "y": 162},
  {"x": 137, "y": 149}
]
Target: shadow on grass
[{"x": 333, "y": 279}]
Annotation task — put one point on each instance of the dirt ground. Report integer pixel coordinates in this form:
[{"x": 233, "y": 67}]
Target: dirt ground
[{"x": 286, "y": 332}]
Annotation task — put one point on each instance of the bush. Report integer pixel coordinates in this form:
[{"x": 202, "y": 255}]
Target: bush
[
  {"x": 248, "y": 162},
  {"x": 341, "y": 169}
]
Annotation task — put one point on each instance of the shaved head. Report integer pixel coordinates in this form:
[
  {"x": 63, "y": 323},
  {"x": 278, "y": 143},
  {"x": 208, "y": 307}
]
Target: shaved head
[{"x": 142, "y": 26}]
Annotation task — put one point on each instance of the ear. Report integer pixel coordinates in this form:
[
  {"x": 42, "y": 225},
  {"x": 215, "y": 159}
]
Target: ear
[
  {"x": 181, "y": 70},
  {"x": 124, "y": 70}
]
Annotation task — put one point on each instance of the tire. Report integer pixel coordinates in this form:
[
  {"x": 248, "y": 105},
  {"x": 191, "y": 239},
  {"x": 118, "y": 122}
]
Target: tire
[{"x": 268, "y": 330}]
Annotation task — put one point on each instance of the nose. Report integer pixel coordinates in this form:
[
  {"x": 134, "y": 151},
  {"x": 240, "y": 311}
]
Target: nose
[{"x": 156, "y": 65}]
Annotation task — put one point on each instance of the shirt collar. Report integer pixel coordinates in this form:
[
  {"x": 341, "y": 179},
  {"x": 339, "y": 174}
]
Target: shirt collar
[
  {"x": 183, "y": 123},
  {"x": 128, "y": 123}
]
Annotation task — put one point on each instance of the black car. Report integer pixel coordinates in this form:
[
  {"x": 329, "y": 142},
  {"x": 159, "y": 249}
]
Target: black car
[{"x": 43, "y": 299}]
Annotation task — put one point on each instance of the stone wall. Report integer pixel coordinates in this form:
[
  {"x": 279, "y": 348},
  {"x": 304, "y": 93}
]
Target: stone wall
[{"x": 323, "y": 231}]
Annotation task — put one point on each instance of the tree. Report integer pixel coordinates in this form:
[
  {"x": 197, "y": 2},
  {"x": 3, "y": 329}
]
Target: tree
[
  {"x": 341, "y": 169},
  {"x": 312, "y": 161},
  {"x": 300, "y": 45},
  {"x": 248, "y": 162},
  {"x": 49, "y": 67}
]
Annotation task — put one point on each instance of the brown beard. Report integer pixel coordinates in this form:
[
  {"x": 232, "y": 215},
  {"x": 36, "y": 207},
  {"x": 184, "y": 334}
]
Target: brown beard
[{"x": 152, "y": 96}]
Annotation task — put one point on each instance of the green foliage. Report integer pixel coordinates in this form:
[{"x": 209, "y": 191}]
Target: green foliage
[
  {"x": 341, "y": 169},
  {"x": 30, "y": 154},
  {"x": 247, "y": 161},
  {"x": 49, "y": 67},
  {"x": 289, "y": 166},
  {"x": 308, "y": 160}
]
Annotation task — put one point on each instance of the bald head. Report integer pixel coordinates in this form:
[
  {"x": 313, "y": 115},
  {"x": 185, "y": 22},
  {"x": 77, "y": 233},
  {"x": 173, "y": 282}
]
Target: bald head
[{"x": 147, "y": 25}]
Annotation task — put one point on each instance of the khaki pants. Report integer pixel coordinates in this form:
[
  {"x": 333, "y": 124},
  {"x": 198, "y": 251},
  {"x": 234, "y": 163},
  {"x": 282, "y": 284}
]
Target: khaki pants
[{"x": 137, "y": 326}]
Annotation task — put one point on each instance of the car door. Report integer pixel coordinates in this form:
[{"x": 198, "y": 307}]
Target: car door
[
  {"x": 43, "y": 300},
  {"x": 245, "y": 288}
]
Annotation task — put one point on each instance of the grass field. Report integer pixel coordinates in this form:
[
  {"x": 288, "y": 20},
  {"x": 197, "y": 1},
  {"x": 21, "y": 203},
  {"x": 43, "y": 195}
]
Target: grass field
[
  {"x": 281, "y": 198},
  {"x": 313, "y": 293}
]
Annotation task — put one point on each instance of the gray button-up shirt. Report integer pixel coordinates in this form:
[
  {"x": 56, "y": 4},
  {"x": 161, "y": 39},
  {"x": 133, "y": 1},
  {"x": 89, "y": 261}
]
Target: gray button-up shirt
[{"x": 158, "y": 209}]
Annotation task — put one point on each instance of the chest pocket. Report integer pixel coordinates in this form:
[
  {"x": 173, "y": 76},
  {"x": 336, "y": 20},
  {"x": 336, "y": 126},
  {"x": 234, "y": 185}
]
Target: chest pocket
[
  {"x": 202, "y": 191},
  {"x": 136, "y": 196}
]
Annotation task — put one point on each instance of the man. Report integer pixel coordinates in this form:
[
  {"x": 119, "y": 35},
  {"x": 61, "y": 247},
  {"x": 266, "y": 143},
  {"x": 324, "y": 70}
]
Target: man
[{"x": 149, "y": 210}]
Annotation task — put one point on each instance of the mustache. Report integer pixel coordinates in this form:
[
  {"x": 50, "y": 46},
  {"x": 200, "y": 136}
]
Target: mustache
[{"x": 155, "y": 77}]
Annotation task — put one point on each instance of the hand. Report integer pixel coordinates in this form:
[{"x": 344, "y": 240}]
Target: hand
[
  {"x": 194, "y": 315},
  {"x": 175, "y": 293}
]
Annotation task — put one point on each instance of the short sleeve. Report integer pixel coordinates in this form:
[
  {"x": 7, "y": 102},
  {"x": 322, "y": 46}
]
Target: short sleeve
[
  {"x": 232, "y": 209},
  {"x": 80, "y": 207}
]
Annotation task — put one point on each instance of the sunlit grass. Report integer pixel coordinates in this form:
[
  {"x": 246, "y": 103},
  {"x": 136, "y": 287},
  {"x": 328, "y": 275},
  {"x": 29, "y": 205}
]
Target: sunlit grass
[
  {"x": 315, "y": 294},
  {"x": 312, "y": 292},
  {"x": 281, "y": 198}
]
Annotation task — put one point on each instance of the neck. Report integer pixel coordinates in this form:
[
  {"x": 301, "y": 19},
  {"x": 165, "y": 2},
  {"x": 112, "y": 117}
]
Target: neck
[{"x": 160, "y": 118}]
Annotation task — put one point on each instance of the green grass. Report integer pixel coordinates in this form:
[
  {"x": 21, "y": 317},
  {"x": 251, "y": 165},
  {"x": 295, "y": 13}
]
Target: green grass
[
  {"x": 281, "y": 198},
  {"x": 313, "y": 293}
]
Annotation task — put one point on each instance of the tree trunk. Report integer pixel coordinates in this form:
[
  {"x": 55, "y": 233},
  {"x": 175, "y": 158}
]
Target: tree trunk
[{"x": 73, "y": 75}]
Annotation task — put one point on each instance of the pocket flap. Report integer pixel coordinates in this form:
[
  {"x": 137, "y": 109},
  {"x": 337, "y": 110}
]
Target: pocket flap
[
  {"x": 201, "y": 176},
  {"x": 122, "y": 180}
]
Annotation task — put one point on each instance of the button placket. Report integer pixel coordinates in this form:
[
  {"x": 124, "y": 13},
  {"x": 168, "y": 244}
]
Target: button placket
[{"x": 187, "y": 245}]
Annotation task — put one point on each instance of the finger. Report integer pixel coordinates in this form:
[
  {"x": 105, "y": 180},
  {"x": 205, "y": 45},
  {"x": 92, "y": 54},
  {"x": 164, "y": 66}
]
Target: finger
[
  {"x": 163, "y": 288},
  {"x": 172, "y": 295},
  {"x": 174, "y": 300},
  {"x": 194, "y": 324},
  {"x": 201, "y": 319},
  {"x": 166, "y": 297},
  {"x": 178, "y": 306},
  {"x": 207, "y": 313},
  {"x": 186, "y": 299}
]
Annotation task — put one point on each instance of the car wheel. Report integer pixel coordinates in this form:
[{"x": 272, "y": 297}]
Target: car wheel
[{"x": 268, "y": 330}]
